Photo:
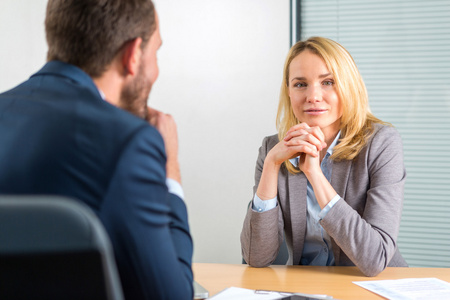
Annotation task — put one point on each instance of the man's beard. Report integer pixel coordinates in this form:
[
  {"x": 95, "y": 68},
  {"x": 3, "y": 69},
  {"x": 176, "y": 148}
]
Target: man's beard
[{"x": 133, "y": 97}]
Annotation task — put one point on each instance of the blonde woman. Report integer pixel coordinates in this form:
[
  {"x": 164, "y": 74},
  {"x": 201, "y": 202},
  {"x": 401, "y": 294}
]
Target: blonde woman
[{"x": 332, "y": 180}]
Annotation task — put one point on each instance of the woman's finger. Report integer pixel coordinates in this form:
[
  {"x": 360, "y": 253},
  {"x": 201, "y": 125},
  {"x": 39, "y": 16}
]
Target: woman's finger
[
  {"x": 299, "y": 147},
  {"x": 305, "y": 138}
]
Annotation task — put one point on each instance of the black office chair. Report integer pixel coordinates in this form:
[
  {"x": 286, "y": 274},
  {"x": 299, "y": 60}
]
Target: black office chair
[{"x": 54, "y": 248}]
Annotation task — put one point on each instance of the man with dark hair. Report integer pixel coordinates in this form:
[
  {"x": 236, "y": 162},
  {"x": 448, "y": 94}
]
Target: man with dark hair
[{"x": 66, "y": 131}]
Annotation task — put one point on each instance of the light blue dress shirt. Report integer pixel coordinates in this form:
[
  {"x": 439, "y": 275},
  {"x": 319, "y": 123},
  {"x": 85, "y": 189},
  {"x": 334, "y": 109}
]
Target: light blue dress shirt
[{"x": 317, "y": 249}]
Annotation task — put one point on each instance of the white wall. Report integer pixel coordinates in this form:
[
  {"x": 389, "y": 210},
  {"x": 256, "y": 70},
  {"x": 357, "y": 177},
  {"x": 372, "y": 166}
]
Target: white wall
[
  {"x": 23, "y": 47},
  {"x": 221, "y": 67},
  {"x": 220, "y": 74}
]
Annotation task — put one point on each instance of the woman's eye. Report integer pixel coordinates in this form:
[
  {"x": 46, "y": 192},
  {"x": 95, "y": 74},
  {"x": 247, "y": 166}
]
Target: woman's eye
[
  {"x": 328, "y": 82},
  {"x": 300, "y": 84}
]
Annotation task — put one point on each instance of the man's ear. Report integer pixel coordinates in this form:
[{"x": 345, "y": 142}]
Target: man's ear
[{"x": 131, "y": 56}]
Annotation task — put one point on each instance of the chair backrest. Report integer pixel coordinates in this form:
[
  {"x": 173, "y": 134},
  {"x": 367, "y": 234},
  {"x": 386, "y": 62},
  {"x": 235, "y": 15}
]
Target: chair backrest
[{"x": 54, "y": 248}]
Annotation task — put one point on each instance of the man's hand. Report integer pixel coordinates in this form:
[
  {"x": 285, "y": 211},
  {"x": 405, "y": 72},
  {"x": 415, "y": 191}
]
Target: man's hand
[{"x": 168, "y": 129}]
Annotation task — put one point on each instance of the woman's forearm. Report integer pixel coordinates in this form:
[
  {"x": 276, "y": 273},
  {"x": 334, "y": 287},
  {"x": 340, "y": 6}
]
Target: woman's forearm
[
  {"x": 323, "y": 190},
  {"x": 267, "y": 188}
]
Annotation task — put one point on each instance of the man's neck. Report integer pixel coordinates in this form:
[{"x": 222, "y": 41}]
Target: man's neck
[{"x": 110, "y": 84}]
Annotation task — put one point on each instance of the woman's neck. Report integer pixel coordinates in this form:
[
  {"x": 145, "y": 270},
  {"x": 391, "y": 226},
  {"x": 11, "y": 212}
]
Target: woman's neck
[{"x": 330, "y": 134}]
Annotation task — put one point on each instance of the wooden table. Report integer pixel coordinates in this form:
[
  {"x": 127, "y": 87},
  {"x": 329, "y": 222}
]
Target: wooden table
[{"x": 333, "y": 281}]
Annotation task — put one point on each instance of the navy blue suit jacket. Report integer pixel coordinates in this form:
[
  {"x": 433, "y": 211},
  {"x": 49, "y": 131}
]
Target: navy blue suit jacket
[{"x": 58, "y": 136}]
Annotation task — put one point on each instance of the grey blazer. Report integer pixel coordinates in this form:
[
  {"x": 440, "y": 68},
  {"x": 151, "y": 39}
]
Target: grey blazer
[{"x": 363, "y": 224}]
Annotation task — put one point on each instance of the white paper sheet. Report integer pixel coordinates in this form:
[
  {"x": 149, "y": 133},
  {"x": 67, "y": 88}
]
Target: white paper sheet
[
  {"x": 408, "y": 289},
  {"x": 244, "y": 294},
  {"x": 235, "y": 293}
]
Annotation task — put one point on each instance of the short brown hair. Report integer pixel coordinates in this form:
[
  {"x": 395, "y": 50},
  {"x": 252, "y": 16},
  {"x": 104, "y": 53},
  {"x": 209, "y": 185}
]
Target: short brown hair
[{"x": 90, "y": 33}]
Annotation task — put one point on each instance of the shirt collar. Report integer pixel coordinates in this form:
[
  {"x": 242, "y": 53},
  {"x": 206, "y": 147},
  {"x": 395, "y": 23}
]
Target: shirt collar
[
  {"x": 294, "y": 161},
  {"x": 101, "y": 93}
]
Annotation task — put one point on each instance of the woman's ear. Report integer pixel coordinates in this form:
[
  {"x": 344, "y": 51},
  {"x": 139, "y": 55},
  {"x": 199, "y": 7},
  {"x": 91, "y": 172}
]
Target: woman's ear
[{"x": 131, "y": 56}]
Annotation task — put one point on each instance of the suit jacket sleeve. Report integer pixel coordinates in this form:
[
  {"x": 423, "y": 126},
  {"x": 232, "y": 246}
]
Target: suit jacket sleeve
[
  {"x": 148, "y": 225},
  {"x": 262, "y": 233},
  {"x": 369, "y": 239}
]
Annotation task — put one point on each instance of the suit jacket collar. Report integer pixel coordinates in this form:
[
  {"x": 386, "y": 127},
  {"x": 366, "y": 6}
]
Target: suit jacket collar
[
  {"x": 297, "y": 197},
  {"x": 58, "y": 68},
  {"x": 297, "y": 201},
  {"x": 339, "y": 181}
]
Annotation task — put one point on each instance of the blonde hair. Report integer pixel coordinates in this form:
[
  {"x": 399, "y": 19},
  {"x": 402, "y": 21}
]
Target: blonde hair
[{"x": 356, "y": 121}]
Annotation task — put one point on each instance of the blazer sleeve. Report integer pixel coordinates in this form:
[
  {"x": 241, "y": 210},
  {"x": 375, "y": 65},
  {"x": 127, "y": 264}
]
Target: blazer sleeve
[
  {"x": 148, "y": 225},
  {"x": 369, "y": 240},
  {"x": 262, "y": 232}
]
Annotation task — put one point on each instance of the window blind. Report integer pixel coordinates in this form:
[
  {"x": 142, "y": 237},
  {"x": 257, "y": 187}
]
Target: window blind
[{"x": 402, "y": 49}]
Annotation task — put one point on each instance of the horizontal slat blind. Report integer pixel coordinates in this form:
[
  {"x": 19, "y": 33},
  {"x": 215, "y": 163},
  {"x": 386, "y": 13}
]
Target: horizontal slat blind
[{"x": 402, "y": 48}]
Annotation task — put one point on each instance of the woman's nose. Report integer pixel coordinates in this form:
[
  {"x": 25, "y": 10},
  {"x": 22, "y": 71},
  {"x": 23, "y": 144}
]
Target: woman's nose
[{"x": 314, "y": 94}]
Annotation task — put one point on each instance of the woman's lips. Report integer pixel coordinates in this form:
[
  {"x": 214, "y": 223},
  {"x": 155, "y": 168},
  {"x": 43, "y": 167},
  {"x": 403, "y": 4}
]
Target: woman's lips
[{"x": 315, "y": 111}]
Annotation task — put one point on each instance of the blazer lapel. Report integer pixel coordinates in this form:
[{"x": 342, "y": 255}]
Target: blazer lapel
[
  {"x": 339, "y": 180},
  {"x": 297, "y": 201}
]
